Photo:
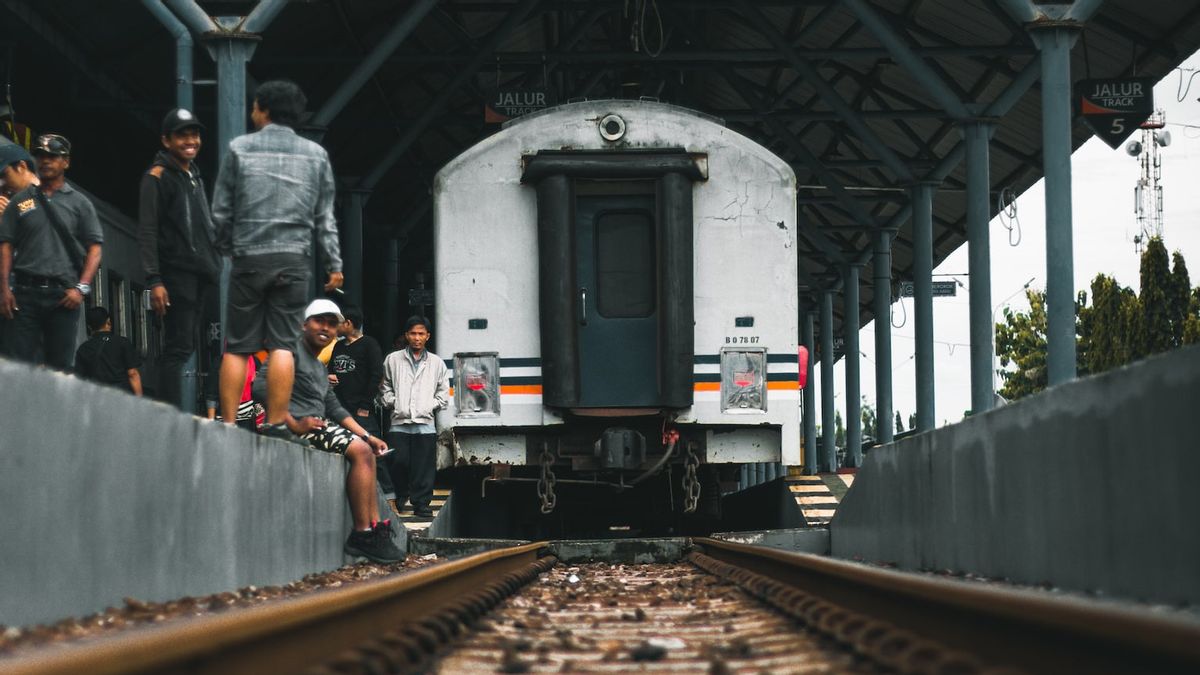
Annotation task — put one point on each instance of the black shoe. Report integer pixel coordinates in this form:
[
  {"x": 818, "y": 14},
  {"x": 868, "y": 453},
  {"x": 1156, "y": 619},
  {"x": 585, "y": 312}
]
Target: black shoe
[
  {"x": 422, "y": 512},
  {"x": 375, "y": 545},
  {"x": 281, "y": 431}
]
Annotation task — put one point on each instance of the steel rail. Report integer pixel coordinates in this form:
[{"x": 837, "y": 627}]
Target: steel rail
[
  {"x": 1000, "y": 627},
  {"x": 288, "y": 636}
]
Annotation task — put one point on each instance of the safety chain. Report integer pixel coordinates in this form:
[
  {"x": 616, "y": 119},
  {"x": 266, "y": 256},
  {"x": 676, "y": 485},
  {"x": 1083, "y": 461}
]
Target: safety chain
[
  {"x": 409, "y": 648},
  {"x": 882, "y": 642},
  {"x": 545, "y": 485},
  {"x": 691, "y": 484}
]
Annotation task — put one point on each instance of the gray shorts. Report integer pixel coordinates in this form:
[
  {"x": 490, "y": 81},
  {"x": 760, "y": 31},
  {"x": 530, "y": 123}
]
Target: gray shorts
[{"x": 267, "y": 297}]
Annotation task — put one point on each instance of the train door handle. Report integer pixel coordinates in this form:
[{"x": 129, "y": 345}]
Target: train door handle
[{"x": 583, "y": 307}]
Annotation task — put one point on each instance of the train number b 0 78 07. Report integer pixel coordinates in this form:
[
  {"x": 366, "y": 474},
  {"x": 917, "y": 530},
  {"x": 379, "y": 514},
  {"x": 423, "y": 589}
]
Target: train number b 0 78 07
[{"x": 741, "y": 339}]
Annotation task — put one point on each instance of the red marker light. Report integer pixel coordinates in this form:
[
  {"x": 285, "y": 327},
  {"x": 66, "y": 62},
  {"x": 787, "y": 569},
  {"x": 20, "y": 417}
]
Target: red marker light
[{"x": 476, "y": 385}]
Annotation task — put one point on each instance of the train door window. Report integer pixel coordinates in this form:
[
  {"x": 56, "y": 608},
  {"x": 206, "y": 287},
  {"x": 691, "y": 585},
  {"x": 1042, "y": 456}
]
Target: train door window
[
  {"x": 138, "y": 315},
  {"x": 118, "y": 304},
  {"x": 625, "y": 279}
]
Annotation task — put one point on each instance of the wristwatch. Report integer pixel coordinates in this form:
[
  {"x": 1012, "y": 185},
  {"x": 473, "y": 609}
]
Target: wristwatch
[
  {"x": 84, "y": 289},
  {"x": 366, "y": 437}
]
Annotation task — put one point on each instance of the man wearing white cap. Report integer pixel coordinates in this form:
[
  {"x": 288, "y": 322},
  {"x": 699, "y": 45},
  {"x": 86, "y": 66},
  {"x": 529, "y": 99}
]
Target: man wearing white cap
[{"x": 311, "y": 416}]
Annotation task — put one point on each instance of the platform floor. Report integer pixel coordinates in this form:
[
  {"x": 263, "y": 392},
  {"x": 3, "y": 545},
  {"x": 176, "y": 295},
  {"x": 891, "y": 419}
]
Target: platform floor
[{"x": 818, "y": 496}]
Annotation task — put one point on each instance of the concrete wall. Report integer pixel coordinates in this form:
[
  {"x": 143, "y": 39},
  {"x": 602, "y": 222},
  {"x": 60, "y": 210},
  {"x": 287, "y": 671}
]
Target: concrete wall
[
  {"x": 105, "y": 496},
  {"x": 1088, "y": 486}
]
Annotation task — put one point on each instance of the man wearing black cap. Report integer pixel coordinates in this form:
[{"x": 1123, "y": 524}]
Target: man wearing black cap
[
  {"x": 176, "y": 234},
  {"x": 50, "y": 241}
]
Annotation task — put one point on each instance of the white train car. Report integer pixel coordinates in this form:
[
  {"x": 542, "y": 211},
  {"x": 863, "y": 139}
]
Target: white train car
[{"x": 612, "y": 275}]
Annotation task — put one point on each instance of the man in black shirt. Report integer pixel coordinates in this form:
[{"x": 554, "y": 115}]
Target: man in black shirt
[
  {"x": 108, "y": 358},
  {"x": 176, "y": 234},
  {"x": 355, "y": 369},
  {"x": 50, "y": 242}
]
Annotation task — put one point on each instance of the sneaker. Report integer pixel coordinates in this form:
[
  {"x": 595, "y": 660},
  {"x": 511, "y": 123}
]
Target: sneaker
[
  {"x": 281, "y": 431},
  {"x": 422, "y": 512},
  {"x": 375, "y": 544}
]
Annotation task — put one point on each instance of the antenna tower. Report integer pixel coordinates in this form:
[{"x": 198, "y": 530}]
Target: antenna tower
[{"x": 1147, "y": 194}]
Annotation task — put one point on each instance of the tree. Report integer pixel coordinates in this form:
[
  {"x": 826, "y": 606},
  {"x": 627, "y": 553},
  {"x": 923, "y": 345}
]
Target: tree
[
  {"x": 1179, "y": 291},
  {"x": 1153, "y": 331},
  {"x": 1118, "y": 327},
  {"x": 868, "y": 420},
  {"x": 1191, "y": 327},
  {"x": 839, "y": 430},
  {"x": 912, "y": 421},
  {"x": 899, "y": 423},
  {"x": 1106, "y": 327},
  {"x": 1021, "y": 342}
]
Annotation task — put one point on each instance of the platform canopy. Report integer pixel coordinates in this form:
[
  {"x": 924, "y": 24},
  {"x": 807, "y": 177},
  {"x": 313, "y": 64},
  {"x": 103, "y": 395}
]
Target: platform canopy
[{"x": 864, "y": 98}]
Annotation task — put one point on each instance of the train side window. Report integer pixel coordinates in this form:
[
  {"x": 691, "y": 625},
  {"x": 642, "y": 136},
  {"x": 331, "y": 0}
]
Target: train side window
[
  {"x": 625, "y": 269},
  {"x": 118, "y": 303}
]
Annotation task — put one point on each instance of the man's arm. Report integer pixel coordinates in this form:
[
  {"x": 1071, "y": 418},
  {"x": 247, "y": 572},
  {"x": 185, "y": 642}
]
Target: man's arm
[
  {"x": 377, "y": 444},
  {"x": 132, "y": 362},
  {"x": 387, "y": 395},
  {"x": 72, "y": 298},
  {"x": 8, "y": 302},
  {"x": 326, "y": 226},
  {"x": 442, "y": 394},
  {"x": 148, "y": 223},
  {"x": 224, "y": 193},
  {"x": 374, "y": 371}
]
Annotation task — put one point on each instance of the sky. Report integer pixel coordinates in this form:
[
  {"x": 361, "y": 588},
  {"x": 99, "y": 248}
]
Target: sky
[{"x": 1104, "y": 226}]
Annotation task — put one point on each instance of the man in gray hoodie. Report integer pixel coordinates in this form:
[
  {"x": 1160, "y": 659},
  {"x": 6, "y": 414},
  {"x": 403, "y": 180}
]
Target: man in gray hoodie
[{"x": 274, "y": 195}]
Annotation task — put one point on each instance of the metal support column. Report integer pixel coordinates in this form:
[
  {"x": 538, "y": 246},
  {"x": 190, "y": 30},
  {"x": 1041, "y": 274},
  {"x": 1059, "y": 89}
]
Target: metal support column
[
  {"x": 883, "y": 336},
  {"x": 976, "y": 133},
  {"x": 391, "y": 294},
  {"x": 809, "y": 414},
  {"x": 1055, "y": 43},
  {"x": 183, "y": 52},
  {"x": 352, "y": 246},
  {"x": 850, "y": 328},
  {"x": 828, "y": 449},
  {"x": 922, "y": 225}
]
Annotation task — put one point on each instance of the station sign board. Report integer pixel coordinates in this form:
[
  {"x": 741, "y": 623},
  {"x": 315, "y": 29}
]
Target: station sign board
[
  {"x": 506, "y": 104},
  {"x": 420, "y": 296},
  {"x": 941, "y": 289},
  {"x": 1114, "y": 108}
]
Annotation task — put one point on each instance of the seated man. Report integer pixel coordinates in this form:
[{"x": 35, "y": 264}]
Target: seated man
[
  {"x": 108, "y": 358},
  {"x": 311, "y": 413}
]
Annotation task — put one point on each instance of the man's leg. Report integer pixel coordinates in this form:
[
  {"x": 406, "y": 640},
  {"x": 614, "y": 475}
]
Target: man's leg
[
  {"x": 281, "y": 373},
  {"x": 382, "y": 464},
  {"x": 360, "y": 485},
  {"x": 179, "y": 335},
  {"x": 23, "y": 332},
  {"x": 398, "y": 465},
  {"x": 422, "y": 468},
  {"x": 233, "y": 382},
  {"x": 61, "y": 335}
]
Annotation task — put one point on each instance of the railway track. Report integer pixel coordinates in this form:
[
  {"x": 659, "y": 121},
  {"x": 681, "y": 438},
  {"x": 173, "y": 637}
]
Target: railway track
[{"x": 725, "y": 608}]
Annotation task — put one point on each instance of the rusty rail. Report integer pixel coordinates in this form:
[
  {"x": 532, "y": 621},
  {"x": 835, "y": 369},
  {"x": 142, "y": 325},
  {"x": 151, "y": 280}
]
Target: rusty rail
[
  {"x": 298, "y": 634},
  {"x": 915, "y": 623}
]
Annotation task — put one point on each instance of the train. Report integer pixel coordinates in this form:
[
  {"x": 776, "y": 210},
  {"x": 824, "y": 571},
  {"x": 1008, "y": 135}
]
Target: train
[{"x": 617, "y": 300}]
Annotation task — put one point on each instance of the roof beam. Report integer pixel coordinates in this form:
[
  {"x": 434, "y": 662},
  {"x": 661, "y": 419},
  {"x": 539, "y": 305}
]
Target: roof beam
[
  {"x": 66, "y": 46},
  {"x": 435, "y": 107},
  {"x": 827, "y": 93}
]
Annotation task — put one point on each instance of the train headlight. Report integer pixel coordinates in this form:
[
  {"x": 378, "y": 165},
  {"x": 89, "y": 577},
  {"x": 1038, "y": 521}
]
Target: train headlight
[
  {"x": 743, "y": 380},
  {"x": 477, "y": 384}
]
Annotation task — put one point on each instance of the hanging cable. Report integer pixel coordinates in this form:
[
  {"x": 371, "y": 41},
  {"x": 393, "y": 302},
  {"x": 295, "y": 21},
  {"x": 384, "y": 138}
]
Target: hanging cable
[
  {"x": 903, "y": 313},
  {"x": 1181, "y": 91},
  {"x": 652, "y": 53},
  {"x": 1006, "y": 212}
]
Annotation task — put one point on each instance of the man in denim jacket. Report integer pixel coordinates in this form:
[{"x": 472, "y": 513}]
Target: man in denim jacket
[{"x": 274, "y": 196}]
